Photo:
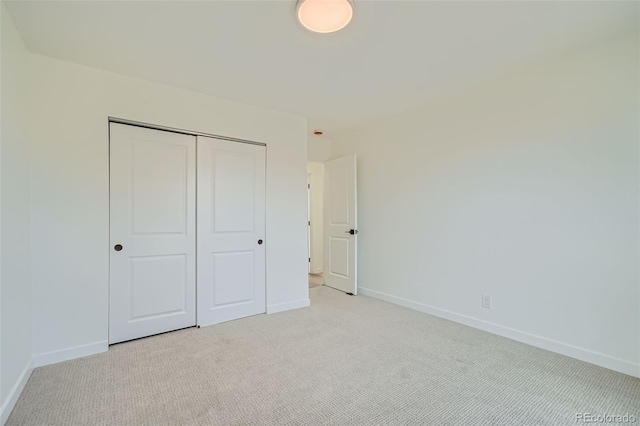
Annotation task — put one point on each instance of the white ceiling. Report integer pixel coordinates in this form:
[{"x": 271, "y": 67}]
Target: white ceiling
[{"x": 394, "y": 56}]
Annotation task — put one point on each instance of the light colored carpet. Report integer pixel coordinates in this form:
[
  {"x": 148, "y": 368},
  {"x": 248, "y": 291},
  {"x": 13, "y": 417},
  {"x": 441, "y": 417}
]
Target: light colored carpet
[
  {"x": 343, "y": 361},
  {"x": 316, "y": 280}
]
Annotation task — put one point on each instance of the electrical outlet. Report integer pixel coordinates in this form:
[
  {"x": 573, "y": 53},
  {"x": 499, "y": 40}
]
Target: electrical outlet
[{"x": 486, "y": 301}]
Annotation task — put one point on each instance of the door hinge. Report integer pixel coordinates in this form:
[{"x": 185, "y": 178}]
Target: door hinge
[
  {"x": 309, "y": 223},
  {"x": 308, "y": 186},
  {"x": 309, "y": 260}
]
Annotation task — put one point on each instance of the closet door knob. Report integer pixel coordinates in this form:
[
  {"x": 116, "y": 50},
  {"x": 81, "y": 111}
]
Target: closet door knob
[
  {"x": 117, "y": 247},
  {"x": 259, "y": 241}
]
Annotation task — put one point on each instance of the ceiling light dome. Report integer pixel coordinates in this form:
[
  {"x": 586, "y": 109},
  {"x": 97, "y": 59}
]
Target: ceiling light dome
[{"x": 325, "y": 16}]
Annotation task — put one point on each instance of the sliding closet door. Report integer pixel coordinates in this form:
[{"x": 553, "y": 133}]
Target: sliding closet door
[
  {"x": 153, "y": 232},
  {"x": 231, "y": 226}
]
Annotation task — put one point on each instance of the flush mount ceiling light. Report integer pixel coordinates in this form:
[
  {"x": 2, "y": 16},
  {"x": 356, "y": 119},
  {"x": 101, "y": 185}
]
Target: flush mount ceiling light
[{"x": 324, "y": 16}]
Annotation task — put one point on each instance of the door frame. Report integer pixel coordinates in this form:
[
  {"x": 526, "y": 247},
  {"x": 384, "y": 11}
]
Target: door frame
[
  {"x": 309, "y": 232},
  {"x": 184, "y": 132}
]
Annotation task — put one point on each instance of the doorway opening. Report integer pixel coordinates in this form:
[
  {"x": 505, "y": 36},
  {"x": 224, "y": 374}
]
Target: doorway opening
[
  {"x": 332, "y": 225},
  {"x": 315, "y": 191}
]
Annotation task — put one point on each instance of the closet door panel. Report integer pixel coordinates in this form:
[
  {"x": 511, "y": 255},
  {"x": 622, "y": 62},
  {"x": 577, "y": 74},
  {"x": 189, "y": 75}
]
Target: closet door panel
[
  {"x": 231, "y": 230},
  {"x": 152, "y": 232}
]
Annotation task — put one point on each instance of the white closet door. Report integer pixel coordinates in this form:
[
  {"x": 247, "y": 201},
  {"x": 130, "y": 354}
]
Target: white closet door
[
  {"x": 152, "y": 215},
  {"x": 231, "y": 230}
]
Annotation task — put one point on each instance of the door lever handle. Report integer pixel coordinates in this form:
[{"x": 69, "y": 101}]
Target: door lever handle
[{"x": 351, "y": 231}]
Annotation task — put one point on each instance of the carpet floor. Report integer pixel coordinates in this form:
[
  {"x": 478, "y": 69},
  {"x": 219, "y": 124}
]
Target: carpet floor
[{"x": 343, "y": 361}]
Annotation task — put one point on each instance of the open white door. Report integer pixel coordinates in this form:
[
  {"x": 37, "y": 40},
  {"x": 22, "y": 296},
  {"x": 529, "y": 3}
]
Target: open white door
[
  {"x": 231, "y": 230},
  {"x": 153, "y": 232},
  {"x": 340, "y": 224}
]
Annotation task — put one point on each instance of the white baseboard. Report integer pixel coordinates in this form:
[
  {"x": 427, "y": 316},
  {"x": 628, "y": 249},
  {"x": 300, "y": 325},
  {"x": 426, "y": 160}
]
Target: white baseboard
[
  {"x": 15, "y": 392},
  {"x": 70, "y": 353},
  {"x": 600, "y": 359},
  {"x": 287, "y": 306}
]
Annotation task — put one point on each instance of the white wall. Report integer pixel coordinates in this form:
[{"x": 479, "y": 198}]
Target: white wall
[
  {"x": 318, "y": 149},
  {"x": 70, "y": 189},
  {"x": 316, "y": 180},
  {"x": 526, "y": 190},
  {"x": 15, "y": 229}
]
